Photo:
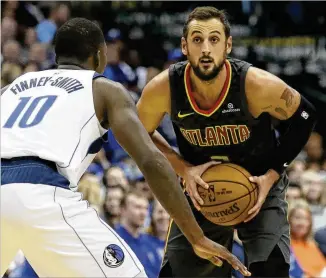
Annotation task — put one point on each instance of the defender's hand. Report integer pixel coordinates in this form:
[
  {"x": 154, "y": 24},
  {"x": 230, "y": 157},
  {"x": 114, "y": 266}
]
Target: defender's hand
[
  {"x": 264, "y": 183},
  {"x": 192, "y": 177},
  {"x": 210, "y": 250}
]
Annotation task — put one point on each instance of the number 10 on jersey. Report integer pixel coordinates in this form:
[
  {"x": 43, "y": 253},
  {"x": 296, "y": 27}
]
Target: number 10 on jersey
[{"x": 40, "y": 111}]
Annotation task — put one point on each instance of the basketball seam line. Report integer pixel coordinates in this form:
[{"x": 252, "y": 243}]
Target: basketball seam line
[
  {"x": 233, "y": 199},
  {"x": 237, "y": 170}
]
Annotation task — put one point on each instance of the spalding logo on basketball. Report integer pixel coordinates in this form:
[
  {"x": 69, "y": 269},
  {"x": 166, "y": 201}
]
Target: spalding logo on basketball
[
  {"x": 113, "y": 256},
  {"x": 230, "y": 194}
]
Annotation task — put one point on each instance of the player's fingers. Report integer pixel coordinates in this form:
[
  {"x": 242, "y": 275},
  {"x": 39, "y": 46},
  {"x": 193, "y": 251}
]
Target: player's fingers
[
  {"x": 199, "y": 181},
  {"x": 193, "y": 199},
  {"x": 205, "y": 166},
  {"x": 216, "y": 261},
  {"x": 236, "y": 264},
  {"x": 254, "y": 208},
  {"x": 251, "y": 216},
  {"x": 253, "y": 179},
  {"x": 257, "y": 206},
  {"x": 197, "y": 197}
]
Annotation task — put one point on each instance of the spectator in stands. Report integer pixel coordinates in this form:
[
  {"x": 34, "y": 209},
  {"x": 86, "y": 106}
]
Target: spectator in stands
[
  {"x": 11, "y": 52},
  {"x": 9, "y": 73},
  {"x": 306, "y": 179},
  {"x": 134, "y": 62},
  {"x": 295, "y": 268},
  {"x": 90, "y": 187},
  {"x": 9, "y": 9},
  {"x": 174, "y": 55},
  {"x": 304, "y": 248},
  {"x": 158, "y": 230},
  {"x": 99, "y": 164},
  {"x": 47, "y": 28},
  {"x": 112, "y": 205},
  {"x": 8, "y": 29},
  {"x": 115, "y": 176},
  {"x": 134, "y": 209},
  {"x": 315, "y": 194},
  {"x": 38, "y": 54},
  {"x": 116, "y": 69},
  {"x": 295, "y": 170},
  {"x": 143, "y": 188},
  {"x": 320, "y": 237},
  {"x": 160, "y": 222},
  {"x": 294, "y": 192},
  {"x": 29, "y": 39},
  {"x": 31, "y": 66},
  {"x": 314, "y": 148}
]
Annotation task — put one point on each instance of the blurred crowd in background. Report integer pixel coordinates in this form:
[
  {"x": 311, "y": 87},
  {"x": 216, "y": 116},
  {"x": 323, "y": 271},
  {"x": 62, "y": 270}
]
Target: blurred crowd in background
[{"x": 143, "y": 38}]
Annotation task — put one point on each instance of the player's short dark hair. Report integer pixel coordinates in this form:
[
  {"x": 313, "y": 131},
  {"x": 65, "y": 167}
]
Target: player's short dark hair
[
  {"x": 207, "y": 13},
  {"x": 78, "y": 38}
]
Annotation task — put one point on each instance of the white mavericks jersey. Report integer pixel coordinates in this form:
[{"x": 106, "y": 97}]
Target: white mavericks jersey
[{"x": 50, "y": 114}]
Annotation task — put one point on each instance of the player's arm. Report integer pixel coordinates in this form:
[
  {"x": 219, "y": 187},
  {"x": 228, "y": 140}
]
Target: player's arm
[
  {"x": 117, "y": 104},
  {"x": 154, "y": 103},
  {"x": 268, "y": 93},
  {"x": 113, "y": 102}
]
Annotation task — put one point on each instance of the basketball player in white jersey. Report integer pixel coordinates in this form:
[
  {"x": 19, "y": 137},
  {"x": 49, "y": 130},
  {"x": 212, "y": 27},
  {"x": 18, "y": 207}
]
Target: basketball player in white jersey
[{"x": 52, "y": 123}]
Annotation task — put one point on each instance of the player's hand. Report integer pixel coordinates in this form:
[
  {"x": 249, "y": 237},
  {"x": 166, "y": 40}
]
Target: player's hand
[
  {"x": 264, "y": 183},
  {"x": 215, "y": 253},
  {"x": 192, "y": 177}
]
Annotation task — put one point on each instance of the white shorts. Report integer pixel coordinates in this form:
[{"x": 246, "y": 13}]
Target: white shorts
[{"x": 60, "y": 235}]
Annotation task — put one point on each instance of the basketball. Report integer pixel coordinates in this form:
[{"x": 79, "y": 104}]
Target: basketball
[{"x": 230, "y": 195}]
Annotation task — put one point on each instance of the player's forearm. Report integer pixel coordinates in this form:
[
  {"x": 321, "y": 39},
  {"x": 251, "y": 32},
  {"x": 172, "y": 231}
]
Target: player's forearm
[
  {"x": 165, "y": 186},
  {"x": 174, "y": 158},
  {"x": 297, "y": 130}
]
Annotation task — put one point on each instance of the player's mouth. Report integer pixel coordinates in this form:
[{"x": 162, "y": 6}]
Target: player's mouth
[{"x": 206, "y": 61}]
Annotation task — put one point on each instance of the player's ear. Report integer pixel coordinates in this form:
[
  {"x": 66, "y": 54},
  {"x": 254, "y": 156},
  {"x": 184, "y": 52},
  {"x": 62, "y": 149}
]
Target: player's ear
[
  {"x": 96, "y": 59},
  {"x": 184, "y": 46},
  {"x": 229, "y": 45}
]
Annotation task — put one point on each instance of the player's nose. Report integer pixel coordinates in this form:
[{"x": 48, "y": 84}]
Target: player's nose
[{"x": 205, "y": 48}]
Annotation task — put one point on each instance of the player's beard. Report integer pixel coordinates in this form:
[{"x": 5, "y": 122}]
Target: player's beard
[{"x": 207, "y": 76}]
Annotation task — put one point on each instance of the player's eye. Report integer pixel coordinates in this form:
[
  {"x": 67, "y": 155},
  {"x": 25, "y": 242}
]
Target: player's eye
[
  {"x": 196, "y": 40},
  {"x": 214, "y": 39}
]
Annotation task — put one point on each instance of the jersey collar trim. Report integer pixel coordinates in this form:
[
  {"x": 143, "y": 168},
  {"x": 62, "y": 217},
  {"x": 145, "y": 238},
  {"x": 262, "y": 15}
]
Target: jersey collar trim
[{"x": 219, "y": 101}]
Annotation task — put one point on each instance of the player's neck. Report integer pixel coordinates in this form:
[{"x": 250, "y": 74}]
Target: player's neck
[
  {"x": 208, "y": 90},
  {"x": 72, "y": 64}
]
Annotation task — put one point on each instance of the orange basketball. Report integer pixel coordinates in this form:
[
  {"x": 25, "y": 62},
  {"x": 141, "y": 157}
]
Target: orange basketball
[{"x": 230, "y": 195}]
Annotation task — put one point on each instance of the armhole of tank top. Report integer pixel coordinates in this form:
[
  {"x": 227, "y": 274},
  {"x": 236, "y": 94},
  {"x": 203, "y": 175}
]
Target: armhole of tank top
[
  {"x": 243, "y": 97},
  {"x": 103, "y": 131},
  {"x": 97, "y": 75},
  {"x": 172, "y": 96}
]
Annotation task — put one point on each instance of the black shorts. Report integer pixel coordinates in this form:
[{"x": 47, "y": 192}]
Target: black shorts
[{"x": 270, "y": 228}]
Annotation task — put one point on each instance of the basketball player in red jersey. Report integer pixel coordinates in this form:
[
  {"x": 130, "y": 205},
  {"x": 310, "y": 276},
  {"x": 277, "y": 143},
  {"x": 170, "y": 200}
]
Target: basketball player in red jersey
[{"x": 222, "y": 110}]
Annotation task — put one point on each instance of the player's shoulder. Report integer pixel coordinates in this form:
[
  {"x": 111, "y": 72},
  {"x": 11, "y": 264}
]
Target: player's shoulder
[
  {"x": 102, "y": 84},
  {"x": 178, "y": 68},
  {"x": 238, "y": 65},
  {"x": 159, "y": 85},
  {"x": 259, "y": 79},
  {"x": 261, "y": 86}
]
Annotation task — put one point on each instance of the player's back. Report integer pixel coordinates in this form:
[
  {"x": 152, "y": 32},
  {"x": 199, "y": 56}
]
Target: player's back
[{"x": 50, "y": 114}]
